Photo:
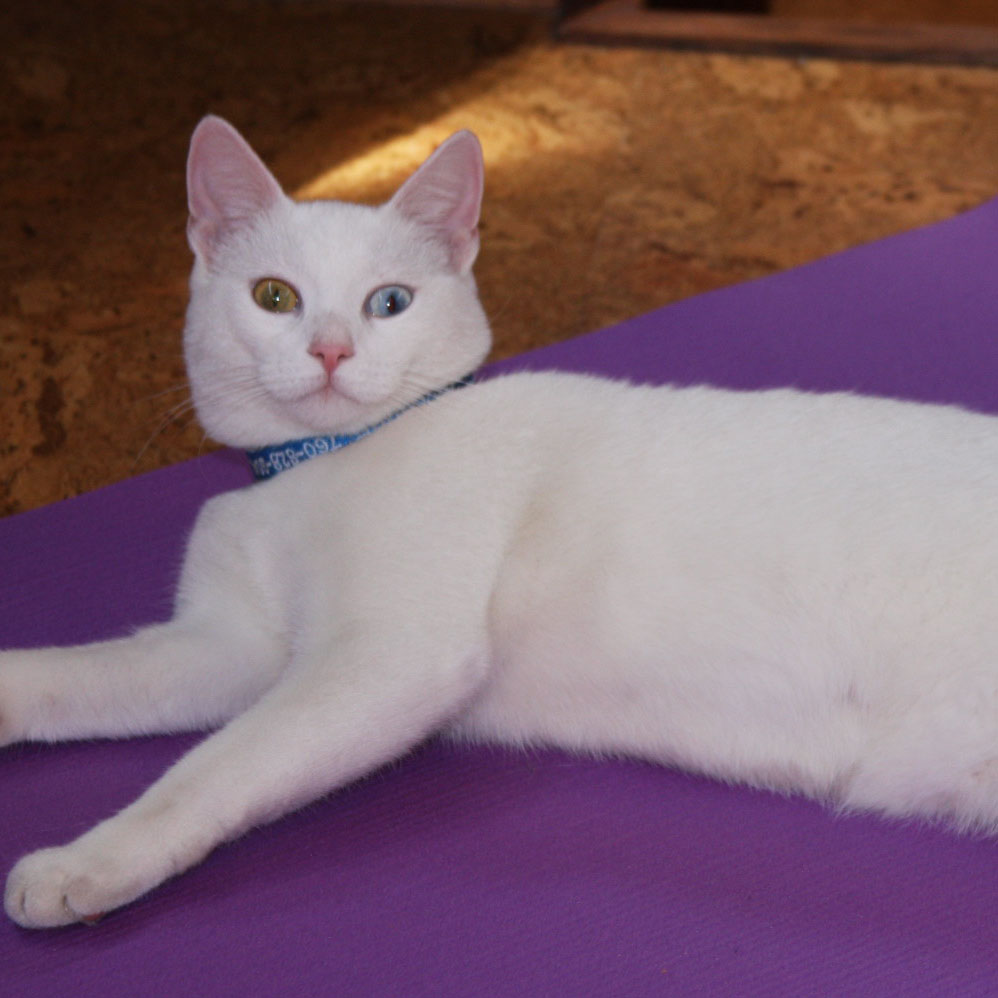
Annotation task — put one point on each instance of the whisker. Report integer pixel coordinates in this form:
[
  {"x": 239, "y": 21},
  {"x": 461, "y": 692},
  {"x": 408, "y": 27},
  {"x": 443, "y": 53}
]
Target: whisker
[
  {"x": 172, "y": 415},
  {"x": 179, "y": 407},
  {"x": 241, "y": 385},
  {"x": 166, "y": 391}
]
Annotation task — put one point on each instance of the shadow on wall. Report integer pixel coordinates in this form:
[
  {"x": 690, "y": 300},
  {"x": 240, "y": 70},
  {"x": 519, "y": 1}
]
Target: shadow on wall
[{"x": 98, "y": 105}]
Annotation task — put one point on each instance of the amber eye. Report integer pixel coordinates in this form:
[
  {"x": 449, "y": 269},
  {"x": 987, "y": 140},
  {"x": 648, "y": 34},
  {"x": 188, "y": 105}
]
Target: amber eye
[{"x": 273, "y": 295}]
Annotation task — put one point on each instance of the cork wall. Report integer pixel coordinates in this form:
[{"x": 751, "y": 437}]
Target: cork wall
[{"x": 617, "y": 180}]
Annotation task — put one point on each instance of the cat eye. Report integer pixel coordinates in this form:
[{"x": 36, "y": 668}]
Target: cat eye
[
  {"x": 388, "y": 301},
  {"x": 273, "y": 295}
]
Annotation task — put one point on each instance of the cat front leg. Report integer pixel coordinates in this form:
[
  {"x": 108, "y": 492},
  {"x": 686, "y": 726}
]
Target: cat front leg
[
  {"x": 330, "y": 719},
  {"x": 225, "y": 646},
  {"x": 185, "y": 675}
]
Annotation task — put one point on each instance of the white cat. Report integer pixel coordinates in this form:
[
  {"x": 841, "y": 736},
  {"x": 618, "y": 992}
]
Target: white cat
[{"x": 795, "y": 591}]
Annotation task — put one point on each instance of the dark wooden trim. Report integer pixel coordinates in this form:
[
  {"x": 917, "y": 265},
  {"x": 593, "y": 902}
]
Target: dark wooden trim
[
  {"x": 551, "y": 7},
  {"x": 712, "y": 6},
  {"x": 628, "y": 22}
]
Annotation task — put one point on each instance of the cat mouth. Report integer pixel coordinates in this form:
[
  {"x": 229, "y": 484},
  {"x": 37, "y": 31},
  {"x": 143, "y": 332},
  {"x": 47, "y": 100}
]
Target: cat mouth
[
  {"x": 319, "y": 398},
  {"x": 333, "y": 391},
  {"x": 331, "y": 402},
  {"x": 323, "y": 388},
  {"x": 327, "y": 401}
]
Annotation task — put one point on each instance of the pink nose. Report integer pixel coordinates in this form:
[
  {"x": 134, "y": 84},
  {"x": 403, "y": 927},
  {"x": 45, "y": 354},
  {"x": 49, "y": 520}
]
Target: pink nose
[{"x": 330, "y": 354}]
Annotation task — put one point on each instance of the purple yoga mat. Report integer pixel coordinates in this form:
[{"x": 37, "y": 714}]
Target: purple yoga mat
[{"x": 481, "y": 872}]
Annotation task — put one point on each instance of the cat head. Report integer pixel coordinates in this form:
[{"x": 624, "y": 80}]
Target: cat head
[{"x": 323, "y": 317}]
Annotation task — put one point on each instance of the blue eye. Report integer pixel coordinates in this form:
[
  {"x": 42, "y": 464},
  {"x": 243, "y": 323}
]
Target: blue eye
[{"x": 388, "y": 301}]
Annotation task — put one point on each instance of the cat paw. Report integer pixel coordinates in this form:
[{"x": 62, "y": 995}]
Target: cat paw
[{"x": 59, "y": 886}]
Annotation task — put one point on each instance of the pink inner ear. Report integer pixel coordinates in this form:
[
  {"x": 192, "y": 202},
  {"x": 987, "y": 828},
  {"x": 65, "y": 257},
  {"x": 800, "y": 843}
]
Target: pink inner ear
[
  {"x": 445, "y": 195},
  {"x": 227, "y": 183}
]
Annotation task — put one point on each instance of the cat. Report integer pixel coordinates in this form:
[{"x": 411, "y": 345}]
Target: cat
[{"x": 788, "y": 590}]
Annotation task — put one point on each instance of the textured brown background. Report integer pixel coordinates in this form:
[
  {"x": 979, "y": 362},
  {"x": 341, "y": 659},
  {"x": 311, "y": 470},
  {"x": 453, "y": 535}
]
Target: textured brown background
[{"x": 618, "y": 180}]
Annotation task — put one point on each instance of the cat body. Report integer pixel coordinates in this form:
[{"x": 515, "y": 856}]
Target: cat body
[
  {"x": 694, "y": 576},
  {"x": 790, "y": 590}
]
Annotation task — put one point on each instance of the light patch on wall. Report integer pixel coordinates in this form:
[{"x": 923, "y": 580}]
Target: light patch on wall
[
  {"x": 511, "y": 139},
  {"x": 531, "y": 130},
  {"x": 379, "y": 169}
]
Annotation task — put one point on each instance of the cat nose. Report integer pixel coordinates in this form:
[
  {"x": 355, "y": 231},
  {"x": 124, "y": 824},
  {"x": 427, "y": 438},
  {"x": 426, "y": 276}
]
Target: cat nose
[{"x": 330, "y": 354}]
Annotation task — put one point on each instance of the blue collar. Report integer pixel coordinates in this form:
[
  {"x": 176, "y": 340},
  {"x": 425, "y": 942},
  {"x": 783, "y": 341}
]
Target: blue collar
[{"x": 269, "y": 461}]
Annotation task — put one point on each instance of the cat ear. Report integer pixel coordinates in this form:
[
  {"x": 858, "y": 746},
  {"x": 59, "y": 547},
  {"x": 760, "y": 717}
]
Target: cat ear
[
  {"x": 445, "y": 196},
  {"x": 227, "y": 184}
]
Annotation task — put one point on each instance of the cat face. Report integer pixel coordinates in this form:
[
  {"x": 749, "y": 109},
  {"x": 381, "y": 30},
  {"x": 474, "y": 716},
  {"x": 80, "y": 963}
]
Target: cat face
[{"x": 324, "y": 317}]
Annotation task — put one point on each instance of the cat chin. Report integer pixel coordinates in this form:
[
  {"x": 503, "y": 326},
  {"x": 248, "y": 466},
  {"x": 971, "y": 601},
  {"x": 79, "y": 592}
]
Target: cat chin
[
  {"x": 276, "y": 420},
  {"x": 332, "y": 409}
]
